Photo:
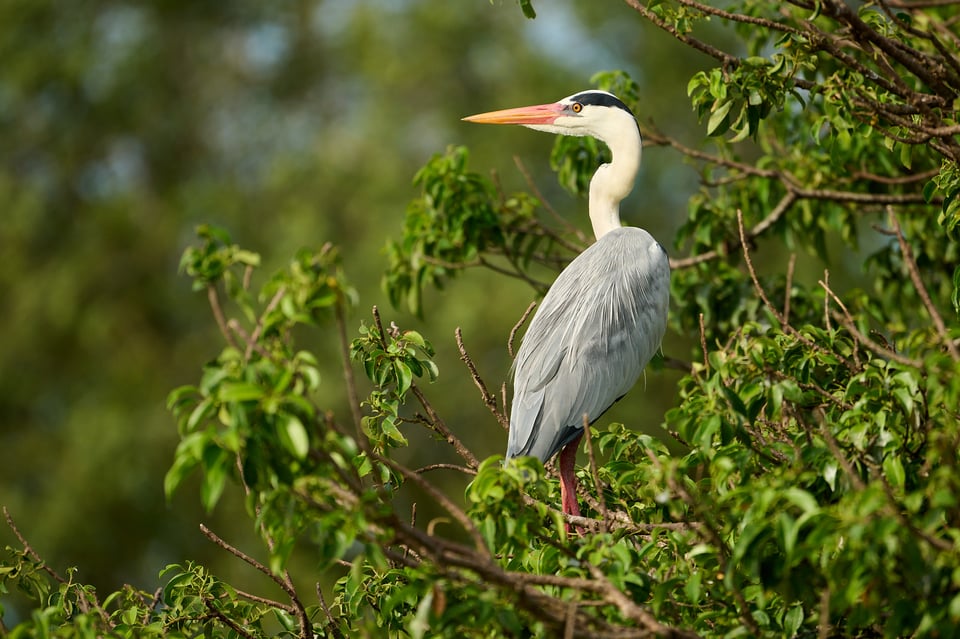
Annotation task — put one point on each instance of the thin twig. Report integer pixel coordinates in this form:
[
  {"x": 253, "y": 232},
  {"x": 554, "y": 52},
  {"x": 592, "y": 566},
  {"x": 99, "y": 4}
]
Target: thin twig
[
  {"x": 516, "y": 327},
  {"x": 604, "y": 517},
  {"x": 430, "y": 467},
  {"x": 444, "y": 502},
  {"x": 789, "y": 287},
  {"x": 266, "y": 601},
  {"x": 897, "y": 179},
  {"x": 353, "y": 398},
  {"x": 825, "y": 283},
  {"x": 721, "y": 56},
  {"x": 152, "y": 606},
  {"x": 532, "y": 185},
  {"x": 837, "y": 453},
  {"x": 503, "y": 400},
  {"x": 214, "y": 299},
  {"x": 709, "y": 532},
  {"x": 440, "y": 427},
  {"x": 85, "y": 600},
  {"x": 784, "y": 325},
  {"x": 28, "y": 549},
  {"x": 326, "y": 610},
  {"x": 379, "y": 324},
  {"x": 285, "y": 583},
  {"x": 261, "y": 321},
  {"x": 236, "y": 552},
  {"x": 763, "y": 23},
  {"x": 627, "y": 606},
  {"x": 782, "y": 206},
  {"x": 569, "y": 624},
  {"x": 703, "y": 343},
  {"x": 871, "y": 345},
  {"x": 753, "y": 274},
  {"x": 898, "y": 510},
  {"x": 824, "y": 629},
  {"x": 251, "y": 343},
  {"x": 914, "y": 272},
  {"x": 489, "y": 399},
  {"x": 227, "y": 621}
]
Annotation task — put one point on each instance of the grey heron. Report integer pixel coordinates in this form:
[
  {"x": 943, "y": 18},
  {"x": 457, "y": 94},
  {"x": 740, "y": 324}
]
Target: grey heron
[{"x": 605, "y": 315}]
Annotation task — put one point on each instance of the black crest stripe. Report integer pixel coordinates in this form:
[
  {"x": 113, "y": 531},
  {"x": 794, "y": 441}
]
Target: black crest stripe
[{"x": 601, "y": 99}]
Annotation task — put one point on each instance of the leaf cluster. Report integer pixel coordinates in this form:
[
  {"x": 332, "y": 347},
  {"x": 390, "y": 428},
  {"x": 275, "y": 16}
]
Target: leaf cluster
[{"x": 460, "y": 220}]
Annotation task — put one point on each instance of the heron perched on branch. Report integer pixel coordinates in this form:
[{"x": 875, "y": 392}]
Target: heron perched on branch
[{"x": 604, "y": 317}]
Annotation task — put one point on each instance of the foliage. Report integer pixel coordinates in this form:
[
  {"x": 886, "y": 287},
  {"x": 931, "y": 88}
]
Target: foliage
[
  {"x": 459, "y": 221},
  {"x": 816, "y": 492}
]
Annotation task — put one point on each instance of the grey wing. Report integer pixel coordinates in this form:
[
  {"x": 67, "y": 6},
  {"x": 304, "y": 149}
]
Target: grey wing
[{"x": 597, "y": 328}]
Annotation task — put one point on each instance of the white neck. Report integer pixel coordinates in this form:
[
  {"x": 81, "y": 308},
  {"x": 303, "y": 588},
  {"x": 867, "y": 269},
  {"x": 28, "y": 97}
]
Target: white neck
[{"x": 613, "y": 181}]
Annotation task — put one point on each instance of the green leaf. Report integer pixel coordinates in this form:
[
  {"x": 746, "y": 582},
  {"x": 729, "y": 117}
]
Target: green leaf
[
  {"x": 239, "y": 392},
  {"x": 293, "y": 435},
  {"x": 420, "y": 623},
  {"x": 404, "y": 377},
  {"x": 217, "y": 464},
  {"x": 718, "y": 123},
  {"x": 389, "y": 427},
  {"x": 793, "y": 620},
  {"x": 182, "y": 466},
  {"x": 802, "y": 499},
  {"x": 893, "y": 471}
]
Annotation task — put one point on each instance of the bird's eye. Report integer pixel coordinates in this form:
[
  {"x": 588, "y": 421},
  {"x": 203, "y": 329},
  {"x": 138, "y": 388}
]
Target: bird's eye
[{"x": 577, "y": 107}]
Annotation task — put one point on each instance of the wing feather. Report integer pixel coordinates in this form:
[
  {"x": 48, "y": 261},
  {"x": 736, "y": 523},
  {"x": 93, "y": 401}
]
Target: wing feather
[{"x": 597, "y": 328}]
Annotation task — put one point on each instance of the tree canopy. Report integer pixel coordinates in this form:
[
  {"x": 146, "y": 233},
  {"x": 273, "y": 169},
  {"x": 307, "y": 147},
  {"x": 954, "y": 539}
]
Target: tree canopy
[{"x": 803, "y": 481}]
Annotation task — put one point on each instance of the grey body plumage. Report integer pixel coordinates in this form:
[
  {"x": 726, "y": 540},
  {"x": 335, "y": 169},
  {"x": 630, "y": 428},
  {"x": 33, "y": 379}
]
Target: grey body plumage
[{"x": 593, "y": 334}]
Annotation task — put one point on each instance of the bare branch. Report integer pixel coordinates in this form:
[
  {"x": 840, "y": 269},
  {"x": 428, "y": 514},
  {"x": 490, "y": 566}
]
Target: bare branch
[
  {"x": 789, "y": 287},
  {"x": 738, "y": 17},
  {"x": 782, "y": 206},
  {"x": 255, "y": 336},
  {"x": 214, "y": 300},
  {"x": 462, "y": 469},
  {"x": 516, "y": 327},
  {"x": 252, "y": 345},
  {"x": 597, "y": 486},
  {"x": 703, "y": 342},
  {"x": 721, "y": 56},
  {"x": 784, "y": 325},
  {"x": 824, "y": 630},
  {"x": 85, "y": 599},
  {"x": 489, "y": 400},
  {"x": 353, "y": 397},
  {"x": 285, "y": 583},
  {"x": 918, "y": 284},
  {"x": 871, "y": 345},
  {"x": 227, "y": 621},
  {"x": 332, "y": 625},
  {"x": 440, "y": 427},
  {"x": 570, "y": 228}
]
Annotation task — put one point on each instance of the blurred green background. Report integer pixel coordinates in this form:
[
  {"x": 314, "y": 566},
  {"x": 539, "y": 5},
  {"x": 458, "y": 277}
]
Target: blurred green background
[{"x": 123, "y": 125}]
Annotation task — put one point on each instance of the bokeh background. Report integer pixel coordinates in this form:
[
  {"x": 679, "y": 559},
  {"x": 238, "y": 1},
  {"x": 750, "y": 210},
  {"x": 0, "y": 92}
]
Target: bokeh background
[{"x": 123, "y": 125}]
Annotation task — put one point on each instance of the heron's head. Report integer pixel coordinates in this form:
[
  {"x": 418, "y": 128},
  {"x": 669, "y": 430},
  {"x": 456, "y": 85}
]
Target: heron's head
[{"x": 594, "y": 113}]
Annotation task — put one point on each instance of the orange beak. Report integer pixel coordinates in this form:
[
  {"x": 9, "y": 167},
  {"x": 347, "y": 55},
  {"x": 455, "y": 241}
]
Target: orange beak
[{"x": 537, "y": 114}]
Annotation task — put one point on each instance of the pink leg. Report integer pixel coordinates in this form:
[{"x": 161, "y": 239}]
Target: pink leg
[{"x": 568, "y": 481}]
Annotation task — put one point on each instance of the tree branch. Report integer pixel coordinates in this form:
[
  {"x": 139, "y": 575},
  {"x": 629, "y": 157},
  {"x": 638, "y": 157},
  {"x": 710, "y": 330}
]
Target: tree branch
[
  {"x": 914, "y": 273},
  {"x": 489, "y": 400}
]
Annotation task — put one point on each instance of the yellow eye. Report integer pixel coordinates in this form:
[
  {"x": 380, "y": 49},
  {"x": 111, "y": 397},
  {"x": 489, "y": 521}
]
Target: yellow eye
[{"x": 577, "y": 107}]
